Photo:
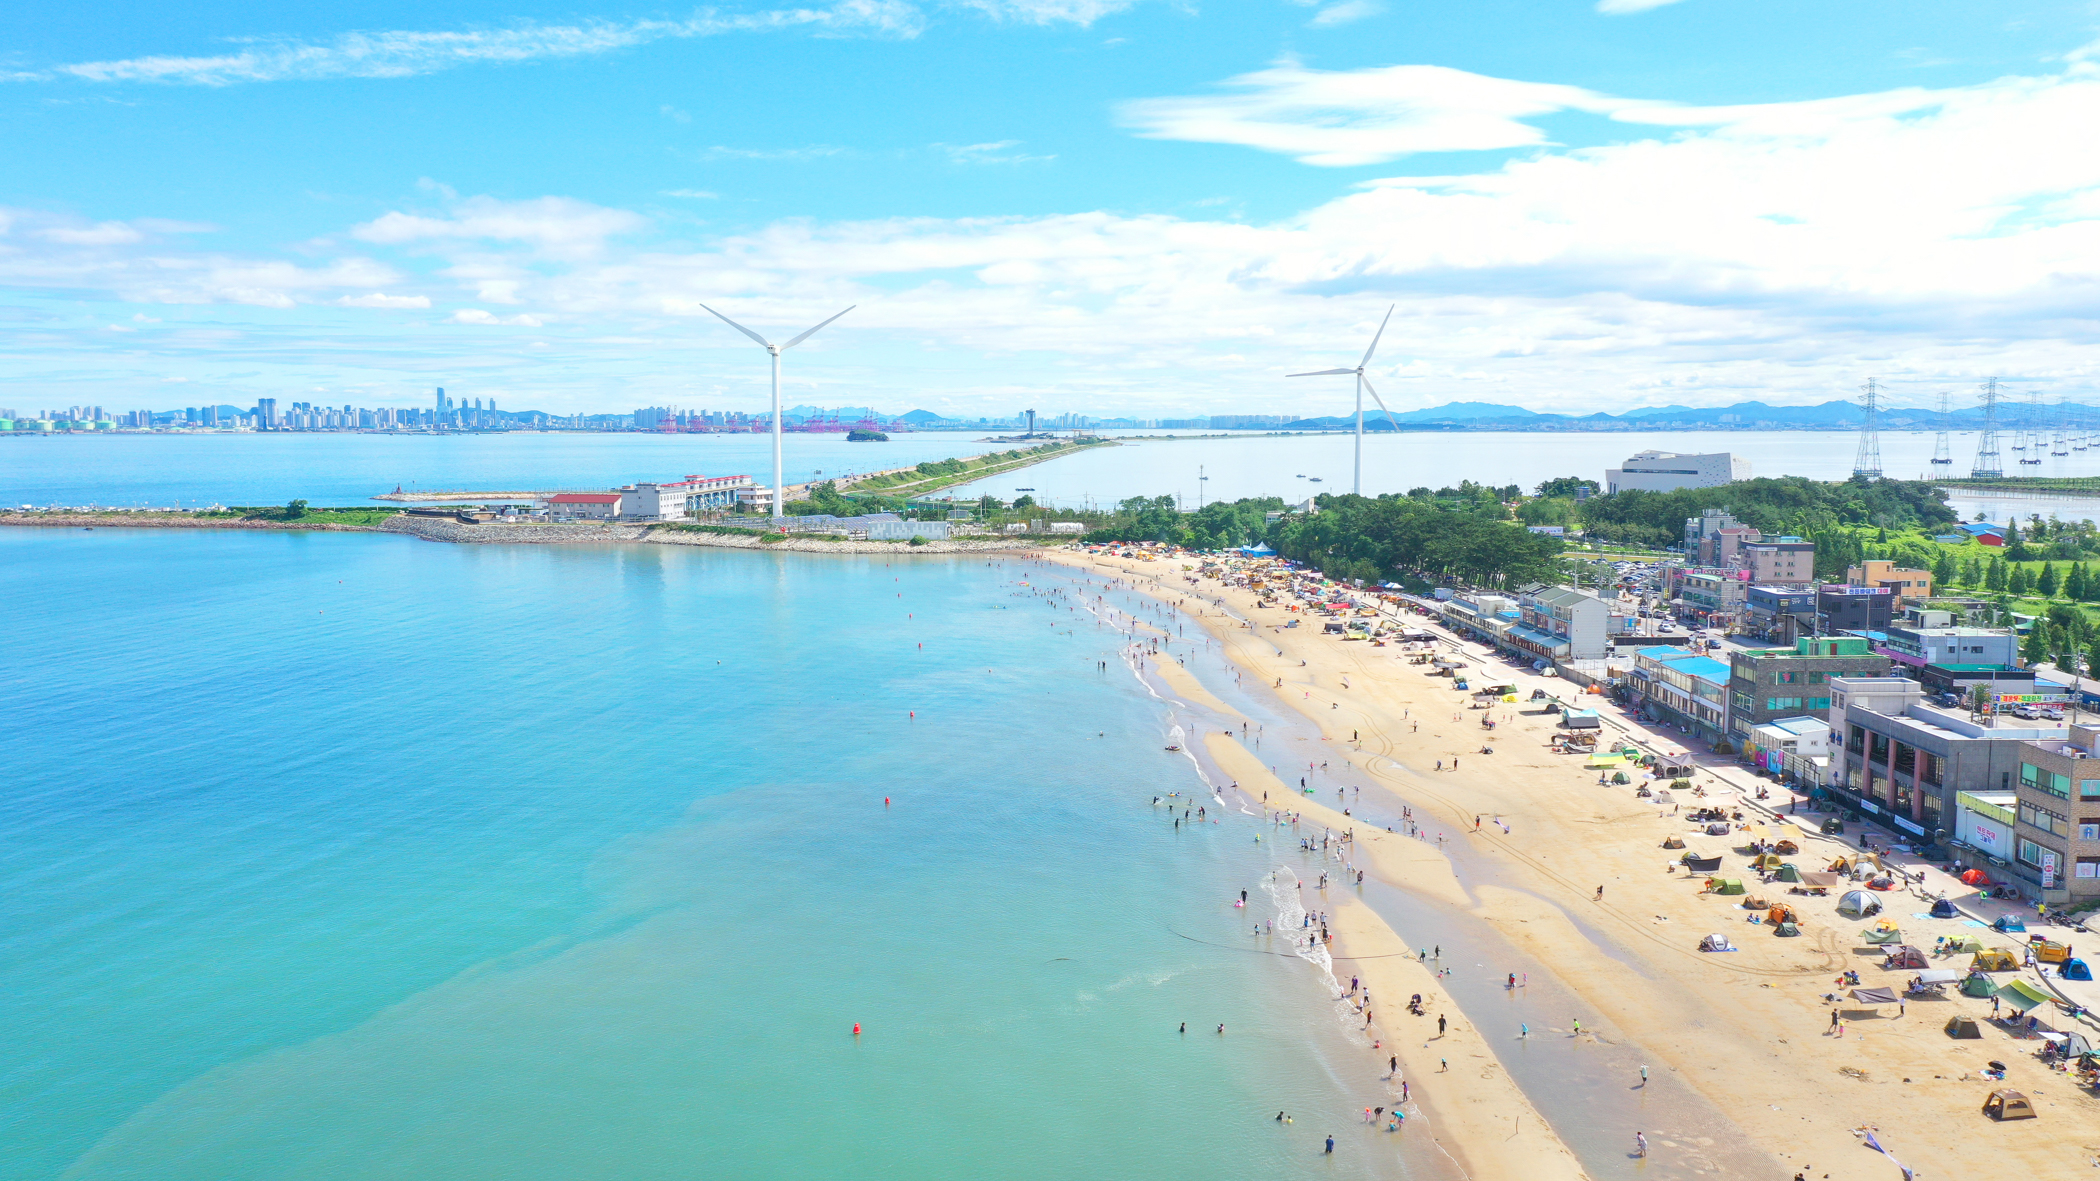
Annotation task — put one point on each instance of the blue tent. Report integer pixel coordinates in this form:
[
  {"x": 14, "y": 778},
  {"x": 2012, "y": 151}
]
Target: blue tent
[
  {"x": 2076, "y": 970},
  {"x": 1943, "y": 909}
]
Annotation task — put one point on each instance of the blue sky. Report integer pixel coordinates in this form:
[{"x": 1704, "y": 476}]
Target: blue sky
[{"x": 1114, "y": 208}]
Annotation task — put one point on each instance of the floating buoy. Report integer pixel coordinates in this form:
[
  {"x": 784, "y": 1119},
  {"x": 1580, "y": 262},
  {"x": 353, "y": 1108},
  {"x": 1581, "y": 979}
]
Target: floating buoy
[
  {"x": 885, "y": 801},
  {"x": 856, "y": 1029}
]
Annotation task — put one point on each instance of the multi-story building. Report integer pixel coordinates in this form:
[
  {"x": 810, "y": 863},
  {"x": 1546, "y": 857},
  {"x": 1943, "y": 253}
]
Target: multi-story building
[
  {"x": 1552, "y": 616},
  {"x": 1779, "y": 613},
  {"x": 1712, "y": 594},
  {"x": 2056, "y": 839},
  {"x": 1920, "y": 646},
  {"x": 1689, "y": 690},
  {"x": 1984, "y": 821},
  {"x": 1767, "y": 684},
  {"x": 1714, "y": 538},
  {"x": 580, "y": 506},
  {"x": 1854, "y": 608},
  {"x": 1797, "y": 749},
  {"x": 1904, "y": 584},
  {"x": 1904, "y": 760},
  {"x": 689, "y": 497},
  {"x": 1781, "y": 561},
  {"x": 1667, "y": 471}
]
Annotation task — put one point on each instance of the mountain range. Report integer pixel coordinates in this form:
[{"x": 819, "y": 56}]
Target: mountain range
[{"x": 1834, "y": 416}]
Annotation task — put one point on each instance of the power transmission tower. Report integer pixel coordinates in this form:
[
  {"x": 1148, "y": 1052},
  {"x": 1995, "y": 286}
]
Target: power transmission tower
[
  {"x": 2034, "y": 428},
  {"x": 2062, "y": 445},
  {"x": 1988, "y": 465},
  {"x": 1942, "y": 455},
  {"x": 1868, "y": 461}
]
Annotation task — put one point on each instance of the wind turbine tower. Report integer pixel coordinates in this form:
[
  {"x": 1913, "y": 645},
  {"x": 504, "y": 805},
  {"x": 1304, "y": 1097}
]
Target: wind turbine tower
[
  {"x": 1868, "y": 461},
  {"x": 779, "y": 492},
  {"x": 1362, "y": 384},
  {"x": 1942, "y": 456},
  {"x": 1988, "y": 465}
]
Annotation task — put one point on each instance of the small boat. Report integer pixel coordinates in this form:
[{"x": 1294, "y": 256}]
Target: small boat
[{"x": 1316, "y": 480}]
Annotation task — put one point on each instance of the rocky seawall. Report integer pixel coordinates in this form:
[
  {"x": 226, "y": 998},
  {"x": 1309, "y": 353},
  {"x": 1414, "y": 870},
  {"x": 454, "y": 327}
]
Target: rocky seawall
[{"x": 171, "y": 521}]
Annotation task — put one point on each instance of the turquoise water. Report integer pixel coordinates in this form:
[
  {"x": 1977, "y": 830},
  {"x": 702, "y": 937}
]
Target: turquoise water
[{"x": 354, "y": 856}]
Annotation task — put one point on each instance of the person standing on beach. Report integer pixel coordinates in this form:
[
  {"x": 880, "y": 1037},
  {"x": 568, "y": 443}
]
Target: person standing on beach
[
  {"x": 1330, "y": 1146},
  {"x": 1640, "y": 1144}
]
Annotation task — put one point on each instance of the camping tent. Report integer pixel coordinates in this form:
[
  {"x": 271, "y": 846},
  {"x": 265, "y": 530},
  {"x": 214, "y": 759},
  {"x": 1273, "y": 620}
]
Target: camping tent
[
  {"x": 1725, "y": 885},
  {"x": 1962, "y": 945},
  {"x": 1874, "y": 996},
  {"x": 1903, "y": 955},
  {"x": 1715, "y": 942},
  {"x": 1767, "y": 861},
  {"x": 1673, "y": 842},
  {"x": 1963, "y": 1027},
  {"x": 1786, "y": 873},
  {"x": 1994, "y": 959},
  {"x": 1943, "y": 909},
  {"x": 1858, "y": 904},
  {"x": 1978, "y": 985},
  {"x": 2068, "y": 1045},
  {"x": 2076, "y": 970},
  {"x": 1884, "y": 933},
  {"x": 2009, "y": 922},
  {"x": 2003, "y": 1105},
  {"x": 1975, "y": 877},
  {"x": 2021, "y": 996}
]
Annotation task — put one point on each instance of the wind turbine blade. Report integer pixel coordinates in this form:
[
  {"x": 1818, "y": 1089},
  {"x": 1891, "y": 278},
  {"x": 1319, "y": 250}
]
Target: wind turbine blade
[
  {"x": 811, "y": 332},
  {"x": 1322, "y": 373},
  {"x": 1381, "y": 332},
  {"x": 1381, "y": 404},
  {"x": 739, "y": 327}
]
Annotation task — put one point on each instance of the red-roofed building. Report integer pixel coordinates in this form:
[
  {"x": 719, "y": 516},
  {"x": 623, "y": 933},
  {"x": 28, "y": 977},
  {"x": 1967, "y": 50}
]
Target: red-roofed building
[{"x": 580, "y": 506}]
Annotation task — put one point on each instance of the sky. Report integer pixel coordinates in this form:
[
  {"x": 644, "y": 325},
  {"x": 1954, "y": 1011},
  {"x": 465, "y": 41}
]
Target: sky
[{"x": 1108, "y": 207}]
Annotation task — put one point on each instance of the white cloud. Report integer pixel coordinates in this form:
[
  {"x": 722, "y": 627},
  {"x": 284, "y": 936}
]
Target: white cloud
[
  {"x": 997, "y": 152},
  {"x": 405, "y": 53},
  {"x": 694, "y": 194},
  {"x": 1623, "y": 7},
  {"x": 108, "y": 233},
  {"x": 556, "y": 225},
  {"x": 812, "y": 152},
  {"x": 1346, "y": 12},
  {"x": 379, "y": 299},
  {"x": 478, "y": 316},
  {"x": 1048, "y": 12}
]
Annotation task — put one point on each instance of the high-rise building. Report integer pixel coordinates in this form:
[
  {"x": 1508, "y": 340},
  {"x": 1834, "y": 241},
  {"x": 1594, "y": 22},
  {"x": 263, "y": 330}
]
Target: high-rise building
[
  {"x": 441, "y": 404},
  {"x": 265, "y": 414}
]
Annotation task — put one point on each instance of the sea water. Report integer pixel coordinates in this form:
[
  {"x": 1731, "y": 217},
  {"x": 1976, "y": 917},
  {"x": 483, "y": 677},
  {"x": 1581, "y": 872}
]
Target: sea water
[{"x": 357, "y": 856}]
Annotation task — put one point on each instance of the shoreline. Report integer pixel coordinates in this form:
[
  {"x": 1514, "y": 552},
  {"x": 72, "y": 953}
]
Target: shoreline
[{"x": 1744, "y": 1033}]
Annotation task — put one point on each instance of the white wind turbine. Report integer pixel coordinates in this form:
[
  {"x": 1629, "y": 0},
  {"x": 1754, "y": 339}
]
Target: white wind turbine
[
  {"x": 1362, "y": 383},
  {"x": 779, "y": 493}
]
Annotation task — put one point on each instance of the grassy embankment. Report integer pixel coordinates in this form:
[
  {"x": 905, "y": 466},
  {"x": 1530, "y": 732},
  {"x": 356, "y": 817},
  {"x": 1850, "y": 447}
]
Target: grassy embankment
[{"x": 935, "y": 475}]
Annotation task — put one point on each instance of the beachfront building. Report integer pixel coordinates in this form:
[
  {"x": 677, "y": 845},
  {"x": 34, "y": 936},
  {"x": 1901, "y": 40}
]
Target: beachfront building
[
  {"x": 1920, "y": 646},
  {"x": 1683, "y": 689},
  {"x": 1667, "y": 471},
  {"x": 1796, "y": 749},
  {"x": 1984, "y": 821},
  {"x": 1481, "y": 615},
  {"x": 1578, "y": 624},
  {"x": 690, "y": 497},
  {"x": 1904, "y": 584},
  {"x": 1904, "y": 760},
  {"x": 1854, "y": 608},
  {"x": 579, "y": 506},
  {"x": 1781, "y": 561},
  {"x": 1765, "y": 685},
  {"x": 1709, "y": 594},
  {"x": 2056, "y": 837}
]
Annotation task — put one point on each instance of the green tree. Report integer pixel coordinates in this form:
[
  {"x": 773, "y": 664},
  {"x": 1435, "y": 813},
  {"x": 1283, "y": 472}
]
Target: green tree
[
  {"x": 1971, "y": 572},
  {"x": 1943, "y": 568},
  {"x": 2074, "y": 582},
  {"x": 987, "y": 505},
  {"x": 1994, "y": 578},
  {"x": 1566, "y": 486},
  {"x": 1023, "y": 501},
  {"x": 2019, "y": 581},
  {"x": 2047, "y": 583},
  {"x": 2092, "y": 653},
  {"x": 2036, "y": 647},
  {"x": 294, "y": 509}
]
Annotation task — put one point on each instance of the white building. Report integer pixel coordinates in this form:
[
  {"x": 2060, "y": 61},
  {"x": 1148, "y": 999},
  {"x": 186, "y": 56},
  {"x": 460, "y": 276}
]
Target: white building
[
  {"x": 580, "y": 506},
  {"x": 1667, "y": 471},
  {"x": 689, "y": 497}
]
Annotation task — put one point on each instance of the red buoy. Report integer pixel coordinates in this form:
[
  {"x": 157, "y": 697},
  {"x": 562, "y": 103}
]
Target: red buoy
[{"x": 856, "y": 1029}]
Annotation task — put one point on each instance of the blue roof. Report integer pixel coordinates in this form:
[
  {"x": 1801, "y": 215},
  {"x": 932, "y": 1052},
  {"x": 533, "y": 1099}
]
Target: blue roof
[
  {"x": 1981, "y": 527},
  {"x": 1703, "y": 667},
  {"x": 1662, "y": 653}
]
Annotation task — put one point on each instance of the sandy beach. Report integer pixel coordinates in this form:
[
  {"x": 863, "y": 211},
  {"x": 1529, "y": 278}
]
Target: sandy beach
[{"x": 1749, "y": 1030}]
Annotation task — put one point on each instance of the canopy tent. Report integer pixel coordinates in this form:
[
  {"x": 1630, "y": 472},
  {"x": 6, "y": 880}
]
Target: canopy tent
[
  {"x": 1934, "y": 977},
  {"x": 1787, "y": 830},
  {"x": 1881, "y": 935},
  {"x": 2004, "y": 1105},
  {"x": 1903, "y": 955},
  {"x": 2021, "y": 996},
  {"x": 1962, "y": 945},
  {"x": 1604, "y": 762},
  {"x": 1963, "y": 1027},
  {"x": 1819, "y": 880},
  {"x": 1875, "y": 996},
  {"x": 1858, "y": 904},
  {"x": 1582, "y": 720},
  {"x": 1702, "y": 864}
]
